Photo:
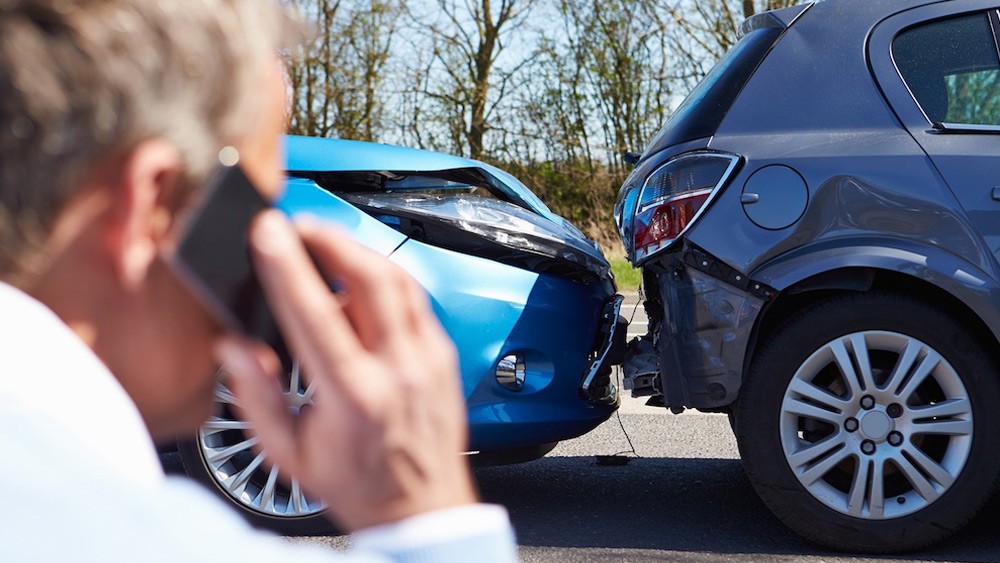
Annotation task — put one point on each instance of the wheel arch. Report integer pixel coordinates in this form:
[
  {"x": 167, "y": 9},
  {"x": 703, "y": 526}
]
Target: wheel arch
[{"x": 929, "y": 274}]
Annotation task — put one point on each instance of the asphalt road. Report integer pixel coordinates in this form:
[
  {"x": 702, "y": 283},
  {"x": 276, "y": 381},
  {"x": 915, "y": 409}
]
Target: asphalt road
[{"x": 684, "y": 498}]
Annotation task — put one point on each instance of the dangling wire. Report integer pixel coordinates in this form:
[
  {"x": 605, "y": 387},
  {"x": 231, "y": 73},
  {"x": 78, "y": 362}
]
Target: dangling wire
[
  {"x": 618, "y": 378},
  {"x": 622, "y": 425}
]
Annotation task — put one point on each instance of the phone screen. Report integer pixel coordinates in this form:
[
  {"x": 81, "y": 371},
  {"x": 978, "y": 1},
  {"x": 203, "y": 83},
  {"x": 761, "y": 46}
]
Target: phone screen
[{"x": 213, "y": 255}]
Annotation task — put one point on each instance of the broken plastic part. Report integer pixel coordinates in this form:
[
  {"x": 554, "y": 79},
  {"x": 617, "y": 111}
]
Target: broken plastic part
[{"x": 641, "y": 367}]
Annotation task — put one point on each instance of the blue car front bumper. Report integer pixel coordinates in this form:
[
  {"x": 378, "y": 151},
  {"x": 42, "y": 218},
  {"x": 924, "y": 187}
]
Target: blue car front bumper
[
  {"x": 492, "y": 310},
  {"x": 560, "y": 327}
]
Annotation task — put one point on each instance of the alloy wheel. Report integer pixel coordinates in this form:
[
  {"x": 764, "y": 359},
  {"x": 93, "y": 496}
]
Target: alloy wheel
[
  {"x": 227, "y": 447},
  {"x": 876, "y": 425}
]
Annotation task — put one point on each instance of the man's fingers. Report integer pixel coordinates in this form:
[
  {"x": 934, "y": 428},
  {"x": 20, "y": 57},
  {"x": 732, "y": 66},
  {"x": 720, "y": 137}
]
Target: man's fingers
[
  {"x": 377, "y": 294},
  {"x": 310, "y": 317},
  {"x": 253, "y": 375},
  {"x": 420, "y": 315},
  {"x": 391, "y": 311}
]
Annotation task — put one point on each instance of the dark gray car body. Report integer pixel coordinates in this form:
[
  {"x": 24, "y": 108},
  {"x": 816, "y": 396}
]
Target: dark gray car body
[{"x": 885, "y": 200}]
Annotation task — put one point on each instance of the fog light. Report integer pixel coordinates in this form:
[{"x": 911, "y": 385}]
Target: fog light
[{"x": 510, "y": 372}]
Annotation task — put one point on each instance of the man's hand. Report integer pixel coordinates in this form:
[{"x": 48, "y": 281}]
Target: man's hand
[{"x": 383, "y": 439}]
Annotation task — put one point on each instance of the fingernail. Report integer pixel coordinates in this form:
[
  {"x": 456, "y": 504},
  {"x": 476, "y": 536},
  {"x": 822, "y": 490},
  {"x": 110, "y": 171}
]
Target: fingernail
[
  {"x": 272, "y": 232},
  {"x": 234, "y": 358}
]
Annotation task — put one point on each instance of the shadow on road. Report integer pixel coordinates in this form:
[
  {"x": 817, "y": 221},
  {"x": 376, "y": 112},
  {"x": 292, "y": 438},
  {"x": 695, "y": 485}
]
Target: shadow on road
[{"x": 673, "y": 504}]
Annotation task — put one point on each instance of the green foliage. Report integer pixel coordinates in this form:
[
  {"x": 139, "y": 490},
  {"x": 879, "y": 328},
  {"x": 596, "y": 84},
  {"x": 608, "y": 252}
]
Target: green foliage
[
  {"x": 974, "y": 97},
  {"x": 581, "y": 193},
  {"x": 626, "y": 276}
]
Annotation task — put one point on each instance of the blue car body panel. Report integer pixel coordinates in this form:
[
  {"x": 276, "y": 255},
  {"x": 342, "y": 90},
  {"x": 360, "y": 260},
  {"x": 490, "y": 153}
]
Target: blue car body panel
[
  {"x": 489, "y": 309},
  {"x": 312, "y": 153}
]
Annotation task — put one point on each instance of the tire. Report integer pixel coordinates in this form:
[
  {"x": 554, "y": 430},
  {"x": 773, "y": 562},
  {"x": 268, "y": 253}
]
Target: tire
[
  {"x": 823, "y": 471},
  {"x": 222, "y": 457}
]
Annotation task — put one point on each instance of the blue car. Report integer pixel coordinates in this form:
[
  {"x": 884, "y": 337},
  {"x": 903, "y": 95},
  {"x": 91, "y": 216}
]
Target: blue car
[{"x": 529, "y": 301}]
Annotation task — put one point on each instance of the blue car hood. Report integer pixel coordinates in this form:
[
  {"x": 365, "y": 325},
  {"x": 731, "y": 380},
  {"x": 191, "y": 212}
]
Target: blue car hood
[
  {"x": 384, "y": 181},
  {"x": 313, "y": 154}
]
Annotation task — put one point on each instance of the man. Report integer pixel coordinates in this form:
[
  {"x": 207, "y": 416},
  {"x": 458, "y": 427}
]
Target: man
[{"x": 112, "y": 112}]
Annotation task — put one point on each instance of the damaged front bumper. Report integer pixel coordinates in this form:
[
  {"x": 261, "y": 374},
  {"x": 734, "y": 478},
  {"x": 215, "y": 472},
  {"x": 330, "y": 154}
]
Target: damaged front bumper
[
  {"x": 694, "y": 355},
  {"x": 597, "y": 386},
  {"x": 523, "y": 294}
]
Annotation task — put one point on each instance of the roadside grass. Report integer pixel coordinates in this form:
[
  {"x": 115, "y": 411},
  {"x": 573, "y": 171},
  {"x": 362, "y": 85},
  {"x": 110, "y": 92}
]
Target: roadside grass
[{"x": 626, "y": 276}]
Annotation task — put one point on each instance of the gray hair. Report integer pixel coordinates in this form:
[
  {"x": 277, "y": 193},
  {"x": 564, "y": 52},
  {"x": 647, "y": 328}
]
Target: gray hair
[{"x": 85, "y": 80}]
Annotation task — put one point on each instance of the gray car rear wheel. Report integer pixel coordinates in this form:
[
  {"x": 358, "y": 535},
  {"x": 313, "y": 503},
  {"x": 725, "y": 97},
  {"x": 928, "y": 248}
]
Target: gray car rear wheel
[{"x": 865, "y": 423}]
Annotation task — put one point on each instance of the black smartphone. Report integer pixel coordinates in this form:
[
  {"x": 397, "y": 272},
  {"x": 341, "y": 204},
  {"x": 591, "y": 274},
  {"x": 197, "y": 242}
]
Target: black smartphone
[{"x": 213, "y": 257}]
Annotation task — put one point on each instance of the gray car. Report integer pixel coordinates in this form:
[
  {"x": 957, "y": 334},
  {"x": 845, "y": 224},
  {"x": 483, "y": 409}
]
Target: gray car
[{"x": 818, "y": 227}]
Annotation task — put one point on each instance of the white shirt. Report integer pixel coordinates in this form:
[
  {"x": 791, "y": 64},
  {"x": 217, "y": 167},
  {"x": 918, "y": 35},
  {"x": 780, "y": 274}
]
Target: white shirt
[{"x": 80, "y": 480}]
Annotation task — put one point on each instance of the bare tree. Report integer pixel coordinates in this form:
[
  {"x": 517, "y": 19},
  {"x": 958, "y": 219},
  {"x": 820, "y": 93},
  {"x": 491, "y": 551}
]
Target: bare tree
[
  {"x": 467, "y": 38},
  {"x": 336, "y": 80},
  {"x": 708, "y": 28},
  {"x": 613, "y": 61},
  {"x": 750, "y": 7}
]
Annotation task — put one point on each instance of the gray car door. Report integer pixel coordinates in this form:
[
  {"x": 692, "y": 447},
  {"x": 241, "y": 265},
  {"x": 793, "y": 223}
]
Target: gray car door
[{"x": 939, "y": 67}]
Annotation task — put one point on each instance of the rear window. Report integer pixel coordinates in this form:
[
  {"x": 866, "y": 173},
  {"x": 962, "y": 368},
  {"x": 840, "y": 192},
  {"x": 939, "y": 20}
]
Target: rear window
[
  {"x": 700, "y": 114},
  {"x": 952, "y": 69}
]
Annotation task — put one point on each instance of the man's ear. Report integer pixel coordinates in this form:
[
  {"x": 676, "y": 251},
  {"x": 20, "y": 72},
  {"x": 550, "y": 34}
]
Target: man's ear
[{"x": 140, "y": 216}]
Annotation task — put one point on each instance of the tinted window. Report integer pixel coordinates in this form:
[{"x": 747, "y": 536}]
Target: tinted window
[
  {"x": 952, "y": 68},
  {"x": 700, "y": 114}
]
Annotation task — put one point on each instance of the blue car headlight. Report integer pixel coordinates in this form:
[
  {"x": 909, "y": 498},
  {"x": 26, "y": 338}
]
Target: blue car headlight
[{"x": 489, "y": 228}]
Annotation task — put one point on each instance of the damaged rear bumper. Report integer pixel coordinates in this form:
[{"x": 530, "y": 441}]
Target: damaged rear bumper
[{"x": 695, "y": 356}]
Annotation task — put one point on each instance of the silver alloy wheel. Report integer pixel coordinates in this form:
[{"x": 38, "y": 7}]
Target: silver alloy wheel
[
  {"x": 876, "y": 425},
  {"x": 226, "y": 445}
]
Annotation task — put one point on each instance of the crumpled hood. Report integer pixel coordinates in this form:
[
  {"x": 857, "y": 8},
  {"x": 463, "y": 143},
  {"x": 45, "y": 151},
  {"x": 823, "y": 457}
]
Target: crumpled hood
[
  {"x": 428, "y": 196},
  {"x": 312, "y": 154}
]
